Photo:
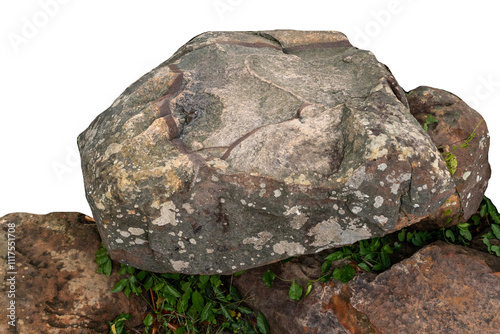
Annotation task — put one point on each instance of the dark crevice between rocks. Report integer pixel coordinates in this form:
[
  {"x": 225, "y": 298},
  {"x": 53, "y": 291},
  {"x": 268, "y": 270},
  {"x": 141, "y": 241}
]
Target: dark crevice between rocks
[
  {"x": 396, "y": 89},
  {"x": 241, "y": 139}
]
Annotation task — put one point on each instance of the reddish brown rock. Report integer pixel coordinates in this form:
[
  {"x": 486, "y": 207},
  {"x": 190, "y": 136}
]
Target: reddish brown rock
[
  {"x": 309, "y": 315},
  {"x": 456, "y": 122},
  {"x": 57, "y": 287},
  {"x": 441, "y": 289}
]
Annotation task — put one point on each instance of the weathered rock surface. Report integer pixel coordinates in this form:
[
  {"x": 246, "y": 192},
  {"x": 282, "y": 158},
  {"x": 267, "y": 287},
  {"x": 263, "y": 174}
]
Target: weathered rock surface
[
  {"x": 249, "y": 147},
  {"x": 440, "y": 289},
  {"x": 456, "y": 122},
  {"x": 57, "y": 287},
  {"x": 314, "y": 314}
]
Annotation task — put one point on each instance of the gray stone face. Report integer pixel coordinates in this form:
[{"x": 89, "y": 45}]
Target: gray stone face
[{"x": 245, "y": 148}]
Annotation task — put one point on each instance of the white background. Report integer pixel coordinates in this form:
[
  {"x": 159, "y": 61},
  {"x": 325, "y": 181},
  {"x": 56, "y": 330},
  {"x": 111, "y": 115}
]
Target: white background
[{"x": 63, "y": 62}]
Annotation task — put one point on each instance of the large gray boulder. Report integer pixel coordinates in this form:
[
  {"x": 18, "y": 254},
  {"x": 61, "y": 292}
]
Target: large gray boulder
[{"x": 245, "y": 148}]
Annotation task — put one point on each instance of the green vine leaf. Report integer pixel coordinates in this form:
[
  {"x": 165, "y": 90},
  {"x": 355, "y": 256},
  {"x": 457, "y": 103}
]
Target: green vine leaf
[
  {"x": 268, "y": 278},
  {"x": 295, "y": 292}
]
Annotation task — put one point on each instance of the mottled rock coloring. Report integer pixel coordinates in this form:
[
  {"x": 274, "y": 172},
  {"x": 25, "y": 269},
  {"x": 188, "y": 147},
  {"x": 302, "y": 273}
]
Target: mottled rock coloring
[
  {"x": 456, "y": 123},
  {"x": 440, "y": 289},
  {"x": 245, "y": 148},
  {"x": 57, "y": 287}
]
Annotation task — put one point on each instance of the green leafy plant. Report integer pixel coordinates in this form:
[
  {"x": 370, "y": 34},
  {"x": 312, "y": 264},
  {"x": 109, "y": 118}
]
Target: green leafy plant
[
  {"x": 370, "y": 254},
  {"x": 116, "y": 326},
  {"x": 429, "y": 119},
  {"x": 374, "y": 254},
  {"x": 296, "y": 291},
  {"x": 189, "y": 303},
  {"x": 451, "y": 159},
  {"x": 183, "y": 303},
  {"x": 103, "y": 261},
  {"x": 489, "y": 211}
]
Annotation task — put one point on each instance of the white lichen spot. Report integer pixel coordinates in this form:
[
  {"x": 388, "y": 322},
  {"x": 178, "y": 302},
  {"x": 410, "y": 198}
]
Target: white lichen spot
[
  {"x": 466, "y": 175},
  {"x": 124, "y": 234},
  {"x": 277, "y": 193},
  {"x": 179, "y": 265},
  {"x": 380, "y": 219},
  {"x": 243, "y": 202},
  {"x": 259, "y": 241},
  {"x": 140, "y": 241},
  {"x": 395, "y": 188},
  {"x": 290, "y": 248},
  {"x": 192, "y": 241},
  {"x": 356, "y": 210},
  {"x": 379, "y": 200},
  {"x": 382, "y": 166},
  {"x": 119, "y": 241},
  {"x": 416, "y": 205},
  {"x": 215, "y": 178},
  {"x": 210, "y": 250},
  {"x": 298, "y": 221},
  {"x": 294, "y": 210},
  {"x": 262, "y": 185},
  {"x": 326, "y": 232},
  {"x": 356, "y": 179},
  {"x": 136, "y": 230},
  {"x": 188, "y": 208},
  {"x": 181, "y": 244},
  {"x": 167, "y": 215},
  {"x": 99, "y": 205}
]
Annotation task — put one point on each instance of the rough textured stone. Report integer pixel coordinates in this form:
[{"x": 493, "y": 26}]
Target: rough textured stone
[
  {"x": 440, "y": 289},
  {"x": 456, "y": 123},
  {"x": 57, "y": 287},
  {"x": 315, "y": 314},
  {"x": 249, "y": 147}
]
